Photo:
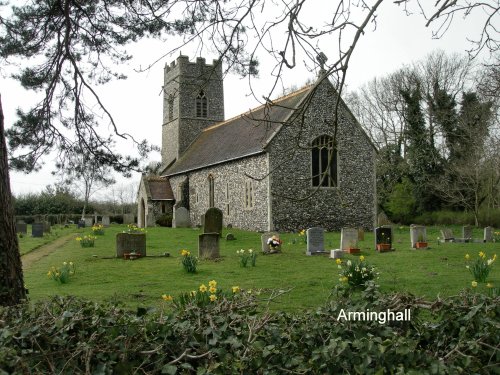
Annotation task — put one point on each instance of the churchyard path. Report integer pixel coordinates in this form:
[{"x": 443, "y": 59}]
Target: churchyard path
[{"x": 44, "y": 250}]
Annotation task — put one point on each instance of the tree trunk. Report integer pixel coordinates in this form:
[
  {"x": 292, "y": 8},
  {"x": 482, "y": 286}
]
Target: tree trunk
[{"x": 12, "y": 289}]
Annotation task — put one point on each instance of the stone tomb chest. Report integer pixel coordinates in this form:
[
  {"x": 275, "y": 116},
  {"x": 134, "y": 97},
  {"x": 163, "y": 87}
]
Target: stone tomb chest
[{"x": 130, "y": 243}]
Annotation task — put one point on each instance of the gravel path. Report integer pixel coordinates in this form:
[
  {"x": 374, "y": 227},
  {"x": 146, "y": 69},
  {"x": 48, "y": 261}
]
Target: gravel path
[{"x": 44, "y": 250}]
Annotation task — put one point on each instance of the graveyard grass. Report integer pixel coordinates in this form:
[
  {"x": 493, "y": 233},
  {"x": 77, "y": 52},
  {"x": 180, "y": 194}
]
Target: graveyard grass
[{"x": 439, "y": 270}]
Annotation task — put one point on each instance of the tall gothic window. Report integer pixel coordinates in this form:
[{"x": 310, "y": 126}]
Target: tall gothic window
[
  {"x": 211, "y": 192},
  {"x": 201, "y": 105},
  {"x": 324, "y": 162},
  {"x": 170, "y": 107}
]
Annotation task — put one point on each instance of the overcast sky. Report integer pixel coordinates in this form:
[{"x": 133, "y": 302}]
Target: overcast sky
[{"x": 136, "y": 103}]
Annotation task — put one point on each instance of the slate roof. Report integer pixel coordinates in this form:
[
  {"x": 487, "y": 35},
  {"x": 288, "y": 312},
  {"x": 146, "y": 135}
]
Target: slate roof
[
  {"x": 244, "y": 135},
  {"x": 158, "y": 188}
]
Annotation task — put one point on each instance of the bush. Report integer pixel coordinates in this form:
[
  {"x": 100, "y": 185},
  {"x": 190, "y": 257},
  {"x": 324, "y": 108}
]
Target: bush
[{"x": 164, "y": 220}]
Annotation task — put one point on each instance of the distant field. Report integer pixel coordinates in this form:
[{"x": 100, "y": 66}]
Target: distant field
[{"x": 439, "y": 270}]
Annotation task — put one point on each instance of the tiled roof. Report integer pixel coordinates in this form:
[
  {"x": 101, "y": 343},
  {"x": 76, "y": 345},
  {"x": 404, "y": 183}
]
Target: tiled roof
[
  {"x": 244, "y": 135},
  {"x": 159, "y": 188}
]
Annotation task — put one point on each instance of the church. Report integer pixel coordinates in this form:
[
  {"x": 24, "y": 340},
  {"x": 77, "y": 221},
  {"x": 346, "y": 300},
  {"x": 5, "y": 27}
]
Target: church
[{"x": 296, "y": 162}]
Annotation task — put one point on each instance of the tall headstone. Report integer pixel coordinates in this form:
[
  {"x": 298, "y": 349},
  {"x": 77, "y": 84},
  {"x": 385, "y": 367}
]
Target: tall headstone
[
  {"x": 264, "y": 239},
  {"x": 208, "y": 246},
  {"x": 418, "y": 233},
  {"x": 89, "y": 222},
  {"x": 105, "y": 221},
  {"x": 181, "y": 218},
  {"x": 488, "y": 234},
  {"x": 46, "y": 227},
  {"x": 349, "y": 239},
  {"x": 22, "y": 228},
  {"x": 130, "y": 242},
  {"x": 213, "y": 221},
  {"x": 383, "y": 235},
  {"x": 467, "y": 232},
  {"x": 128, "y": 218},
  {"x": 447, "y": 235},
  {"x": 37, "y": 230},
  {"x": 361, "y": 234},
  {"x": 81, "y": 224},
  {"x": 315, "y": 241}
]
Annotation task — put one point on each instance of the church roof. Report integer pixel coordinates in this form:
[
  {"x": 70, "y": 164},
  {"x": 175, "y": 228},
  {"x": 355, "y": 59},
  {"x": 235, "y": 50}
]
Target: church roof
[
  {"x": 244, "y": 135},
  {"x": 158, "y": 188}
]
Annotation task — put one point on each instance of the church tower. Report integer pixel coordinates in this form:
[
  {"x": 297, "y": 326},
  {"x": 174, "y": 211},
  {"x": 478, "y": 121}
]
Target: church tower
[{"x": 193, "y": 99}]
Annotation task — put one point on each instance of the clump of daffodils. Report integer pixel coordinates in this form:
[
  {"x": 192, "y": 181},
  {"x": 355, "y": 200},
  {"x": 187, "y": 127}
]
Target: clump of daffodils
[
  {"x": 189, "y": 262},
  {"x": 355, "y": 273},
  {"x": 62, "y": 274},
  {"x": 98, "y": 229},
  {"x": 247, "y": 256},
  {"x": 86, "y": 241},
  {"x": 479, "y": 268}
]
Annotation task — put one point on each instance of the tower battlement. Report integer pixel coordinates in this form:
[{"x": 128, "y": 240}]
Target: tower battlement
[{"x": 182, "y": 64}]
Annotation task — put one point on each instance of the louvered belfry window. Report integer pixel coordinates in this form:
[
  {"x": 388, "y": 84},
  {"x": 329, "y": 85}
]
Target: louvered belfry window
[
  {"x": 201, "y": 105},
  {"x": 324, "y": 162}
]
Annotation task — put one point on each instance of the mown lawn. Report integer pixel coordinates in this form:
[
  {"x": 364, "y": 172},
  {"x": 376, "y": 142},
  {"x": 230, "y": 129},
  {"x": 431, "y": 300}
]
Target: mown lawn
[
  {"x": 439, "y": 270},
  {"x": 28, "y": 243}
]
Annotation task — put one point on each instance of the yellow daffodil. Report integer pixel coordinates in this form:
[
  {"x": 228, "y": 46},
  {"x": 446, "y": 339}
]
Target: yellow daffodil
[
  {"x": 467, "y": 256},
  {"x": 361, "y": 258},
  {"x": 193, "y": 293},
  {"x": 489, "y": 285},
  {"x": 474, "y": 284},
  {"x": 236, "y": 289},
  {"x": 78, "y": 239},
  {"x": 482, "y": 255},
  {"x": 49, "y": 274},
  {"x": 167, "y": 297},
  {"x": 212, "y": 283},
  {"x": 203, "y": 288},
  {"x": 185, "y": 253},
  {"x": 494, "y": 257},
  {"x": 338, "y": 261},
  {"x": 213, "y": 297},
  {"x": 212, "y": 290}
]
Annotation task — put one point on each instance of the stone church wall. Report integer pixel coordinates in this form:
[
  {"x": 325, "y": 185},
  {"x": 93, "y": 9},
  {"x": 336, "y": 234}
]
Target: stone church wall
[
  {"x": 230, "y": 183},
  {"x": 353, "y": 202}
]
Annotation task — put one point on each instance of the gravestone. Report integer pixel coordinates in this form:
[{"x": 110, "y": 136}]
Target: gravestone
[
  {"x": 336, "y": 254},
  {"x": 105, "y": 221},
  {"x": 208, "y": 246},
  {"x": 264, "y": 238},
  {"x": 181, "y": 218},
  {"x": 37, "y": 230},
  {"x": 202, "y": 221},
  {"x": 349, "y": 239},
  {"x": 128, "y": 219},
  {"x": 230, "y": 237},
  {"x": 89, "y": 221},
  {"x": 22, "y": 228},
  {"x": 382, "y": 219},
  {"x": 315, "y": 241},
  {"x": 130, "y": 242},
  {"x": 81, "y": 224},
  {"x": 447, "y": 235},
  {"x": 383, "y": 235},
  {"x": 418, "y": 233},
  {"x": 488, "y": 234},
  {"x": 213, "y": 221},
  {"x": 46, "y": 227},
  {"x": 467, "y": 232},
  {"x": 361, "y": 234}
]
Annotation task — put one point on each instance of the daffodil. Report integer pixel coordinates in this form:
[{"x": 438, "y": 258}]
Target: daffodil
[
  {"x": 361, "y": 258},
  {"x": 467, "y": 256},
  {"x": 193, "y": 293},
  {"x": 167, "y": 297},
  {"x": 489, "y": 285},
  {"x": 474, "y": 284},
  {"x": 482, "y": 255},
  {"x": 212, "y": 290},
  {"x": 338, "y": 261},
  {"x": 203, "y": 288},
  {"x": 236, "y": 289},
  {"x": 212, "y": 283},
  {"x": 213, "y": 297}
]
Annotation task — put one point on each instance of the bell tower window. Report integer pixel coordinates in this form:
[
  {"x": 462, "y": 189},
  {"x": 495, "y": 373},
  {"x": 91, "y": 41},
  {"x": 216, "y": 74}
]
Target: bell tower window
[{"x": 201, "y": 105}]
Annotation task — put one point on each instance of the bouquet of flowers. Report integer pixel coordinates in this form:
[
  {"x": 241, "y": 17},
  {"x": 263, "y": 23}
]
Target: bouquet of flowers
[{"x": 274, "y": 242}]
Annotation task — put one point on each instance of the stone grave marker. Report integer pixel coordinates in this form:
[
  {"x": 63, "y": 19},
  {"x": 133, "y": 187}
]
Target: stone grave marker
[
  {"x": 418, "y": 234},
  {"x": 208, "y": 246},
  {"x": 315, "y": 241},
  {"x": 230, "y": 237},
  {"x": 128, "y": 219},
  {"x": 81, "y": 223},
  {"x": 361, "y": 234},
  {"x": 105, "y": 221},
  {"x": 37, "y": 230},
  {"x": 349, "y": 240},
  {"x": 181, "y": 218},
  {"x": 447, "y": 235},
  {"x": 213, "y": 221},
  {"x": 336, "y": 254},
  {"x": 130, "y": 242},
  {"x": 264, "y": 238},
  {"x": 89, "y": 221},
  {"x": 46, "y": 227},
  {"x": 467, "y": 232},
  {"x": 22, "y": 228},
  {"x": 383, "y": 238},
  {"x": 488, "y": 234}
]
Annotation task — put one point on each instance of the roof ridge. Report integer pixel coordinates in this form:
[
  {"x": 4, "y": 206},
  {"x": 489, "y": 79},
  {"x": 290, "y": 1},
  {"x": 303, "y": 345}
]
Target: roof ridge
[{"x": 275, "y": 101}]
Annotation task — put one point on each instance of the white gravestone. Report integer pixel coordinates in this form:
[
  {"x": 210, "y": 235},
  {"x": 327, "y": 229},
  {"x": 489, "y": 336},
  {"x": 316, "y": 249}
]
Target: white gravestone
[{"x": 315, "y": 241}]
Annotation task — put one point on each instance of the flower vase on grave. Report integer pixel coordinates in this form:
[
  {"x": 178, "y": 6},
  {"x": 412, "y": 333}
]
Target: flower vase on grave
[
  {"x": 421, "y": 245},
  {"x": 383, "y": 247}
]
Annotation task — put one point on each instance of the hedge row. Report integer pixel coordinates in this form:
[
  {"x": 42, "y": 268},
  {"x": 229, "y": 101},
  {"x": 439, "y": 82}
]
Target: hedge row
[{"x": 239, "y": 336}]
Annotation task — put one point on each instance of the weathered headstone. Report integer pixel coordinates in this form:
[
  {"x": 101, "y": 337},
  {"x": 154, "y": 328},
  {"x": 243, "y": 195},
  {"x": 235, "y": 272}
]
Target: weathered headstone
[
  {"x": 488, "y": 234},
  {"x": 130, "y": 242},
  {"x": 105, "y": 221},
  {"x": 467, "y": 232},
  {"x": 383, "y": 238},
  {"x": 81, "y": 224},
  {"x": 37, "y": 230},
  {"x": 315, "y": 241},
  {"x": 230, "y": 237},
  {"x": 382, "y": 219},
  {"x": 46, "y": 227},
  {"x": 208, "y": 246},
  {"x": 89, "y": 221},
  {"x": 418, "y": 233},
  {"x": 336, "y": 254},
  {"x": 264, "y": 238},
  {"x": 213, "y": 221},
  {"x": 361, "y": 234},
  {"x": 128, "y": 218},
  {"x": 349, "y": 239},
  {"x": 447, "y": 235},
  {"x": 21, "y": 228},
  {"x": 181, "y": 218}
]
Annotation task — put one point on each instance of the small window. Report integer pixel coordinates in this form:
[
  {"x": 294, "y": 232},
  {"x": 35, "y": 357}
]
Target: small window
[
  {"x": 249, "y": 194},
  {"x": 211, "y": 192},
  {"x": 163, "y": 208},
  {"x": 170, "y": 107},
  {"x": 324, "y": 162},
  {"x": 201, "y": 105}
]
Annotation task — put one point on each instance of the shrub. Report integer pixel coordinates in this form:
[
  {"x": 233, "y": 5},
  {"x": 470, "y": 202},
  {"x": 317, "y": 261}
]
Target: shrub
[{"x": 164, "y": 220}]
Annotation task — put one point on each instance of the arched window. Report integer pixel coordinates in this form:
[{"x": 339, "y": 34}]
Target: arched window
[
  {"x": 324, "y": 162},
  {"x": 170, "y": 107},
  {"x": 201, "y": 105},
  {"x": 211, "y": 192}
]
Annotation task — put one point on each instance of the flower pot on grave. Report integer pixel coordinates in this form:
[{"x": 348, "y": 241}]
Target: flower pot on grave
[
  {"x": 353, "y": 250},
  {"x": 383, "y": 247},
  {"x": 420, "y": 245},
  {"x": 129, "y": 243}
]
